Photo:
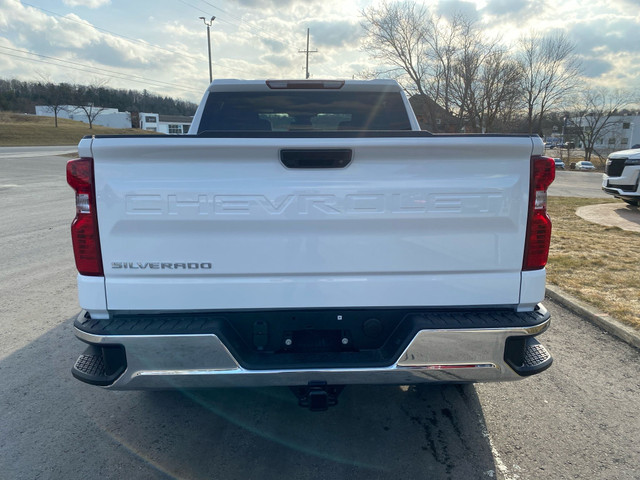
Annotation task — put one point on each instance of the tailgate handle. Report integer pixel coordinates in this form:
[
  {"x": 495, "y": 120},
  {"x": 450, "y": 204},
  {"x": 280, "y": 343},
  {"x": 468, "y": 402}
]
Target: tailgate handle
[{"x": 316, "y": 158}]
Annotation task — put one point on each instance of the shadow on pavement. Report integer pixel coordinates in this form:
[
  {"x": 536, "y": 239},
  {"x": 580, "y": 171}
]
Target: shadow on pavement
[
  {"x": 630, "y": 213},
  {"x": 56, "y": 427},
  {"x": 619, "y": 215}
]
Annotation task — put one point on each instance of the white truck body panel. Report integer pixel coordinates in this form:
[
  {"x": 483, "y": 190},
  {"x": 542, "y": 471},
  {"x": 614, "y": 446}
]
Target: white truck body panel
[{"x": 410, "y": 222}]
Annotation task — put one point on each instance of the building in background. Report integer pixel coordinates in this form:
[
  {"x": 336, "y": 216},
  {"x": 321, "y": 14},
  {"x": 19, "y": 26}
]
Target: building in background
[
  {"x": 620, "y": 132},
  {"x": 107, "y": 117},
  {"x": 433, "y": 117},
  {"x": 169, "y": 124},
  {"x": 111, "y": 117},
  {"x": 623, "y": 134}
]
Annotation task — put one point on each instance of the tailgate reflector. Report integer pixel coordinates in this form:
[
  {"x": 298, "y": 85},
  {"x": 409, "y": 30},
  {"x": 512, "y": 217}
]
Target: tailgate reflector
[
  {"x": 536, "y": 250},
  {"x": 84, "y": 229}
]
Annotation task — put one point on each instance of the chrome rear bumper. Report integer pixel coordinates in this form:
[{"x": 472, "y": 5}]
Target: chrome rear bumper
[{"x": 203, "y": 361}]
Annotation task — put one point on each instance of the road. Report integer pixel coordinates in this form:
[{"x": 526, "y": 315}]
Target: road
[
  {"x": 577, "y": 420},
  {"x": 28, "y": 152},
  {"x": 570, "y": 183}
]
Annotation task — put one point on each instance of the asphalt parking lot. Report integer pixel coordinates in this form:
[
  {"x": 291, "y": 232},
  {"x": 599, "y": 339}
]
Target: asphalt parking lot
[
  {"x": 577, "y": 420},
  {"x": 569, "y": 183}
]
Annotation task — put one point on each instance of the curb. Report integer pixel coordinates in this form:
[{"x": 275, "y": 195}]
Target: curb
[{"x": 598, "y": 318}]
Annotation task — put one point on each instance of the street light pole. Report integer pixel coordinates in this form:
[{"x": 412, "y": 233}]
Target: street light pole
[{"x": 208, "y": 24}]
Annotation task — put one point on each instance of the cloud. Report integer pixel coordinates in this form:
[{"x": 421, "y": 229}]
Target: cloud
[
  {"x": 450, "y": 8},
  {"x": 115, "y": 52},
  {"x": 626, "y": 3},
  {"x": 509, "y": 7},
  {"x": 274, "y": 46},
  {"x": 341, "y": 33},
  {"x": 595, "y": 67},
  {"x": 86, "y": 3},
  {"x": 86, "y": 44},
  {"x": 51, "y": 35},
  {"x": 279, "y": 61},
  {"x": 182, "y": 32},
  {"x": 600, "y": 36},
  {"x": 261, "y": 4}
]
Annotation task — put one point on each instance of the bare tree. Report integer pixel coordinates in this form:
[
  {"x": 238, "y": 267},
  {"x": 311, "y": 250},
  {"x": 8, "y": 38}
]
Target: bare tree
[
  {"x": 595, "y": 115},
  {"x": 415, "y": 47},
  {"x": 395, "y": 34},
  {"x": 91, "y": 111},
  {"x": 496, "y": 89},
  {"x": 550, "y": 72},
  {"x": 57, "y": 98},
  {"x": 88, "y": 96},
  {"x": 467, "y": 66},
  {"x": 418, "y": 49},
  {"x": 485, "y": 79},
  {"x": 444, "y": 41},
  {"x": 476, "y": 75},
  {"x": 450, "y": 61}
]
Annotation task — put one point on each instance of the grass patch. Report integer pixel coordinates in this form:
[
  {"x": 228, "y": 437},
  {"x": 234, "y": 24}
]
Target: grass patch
[
  {"x": 18, "y": 129},
  {"x": 597, "y": 264}
]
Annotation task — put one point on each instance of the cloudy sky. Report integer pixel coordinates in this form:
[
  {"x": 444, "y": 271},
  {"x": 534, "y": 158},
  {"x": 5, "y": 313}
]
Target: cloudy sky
[{"x": 161, "y": 45}]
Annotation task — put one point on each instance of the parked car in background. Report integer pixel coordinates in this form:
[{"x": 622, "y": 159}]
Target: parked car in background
[
  {"x": 584, "y": 166},
  {"x": 559, "y": 163},
  {"x": 622, "y": 176}
]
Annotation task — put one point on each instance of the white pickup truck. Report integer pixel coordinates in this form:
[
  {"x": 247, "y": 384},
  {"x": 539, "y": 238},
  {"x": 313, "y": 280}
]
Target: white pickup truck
[
  {"x": 308, "y": 234},
  {"x": 622, "y": 176}
]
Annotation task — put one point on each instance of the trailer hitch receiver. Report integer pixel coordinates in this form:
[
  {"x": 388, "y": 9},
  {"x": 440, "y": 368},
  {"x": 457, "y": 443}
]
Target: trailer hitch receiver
[{"x": 317, "y": 396}]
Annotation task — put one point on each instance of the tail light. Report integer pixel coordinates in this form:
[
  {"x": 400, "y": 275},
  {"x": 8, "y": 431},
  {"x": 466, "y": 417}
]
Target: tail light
[
  {"x": 536, "y": 249},
  {"x": 84, "y": 229}
]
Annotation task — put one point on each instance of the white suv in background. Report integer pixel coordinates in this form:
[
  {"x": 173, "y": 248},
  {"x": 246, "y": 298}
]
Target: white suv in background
[{"x": 622, "y": 176}]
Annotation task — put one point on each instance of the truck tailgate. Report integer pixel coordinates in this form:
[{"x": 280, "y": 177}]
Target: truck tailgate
[{"x": 191, "y": 223}]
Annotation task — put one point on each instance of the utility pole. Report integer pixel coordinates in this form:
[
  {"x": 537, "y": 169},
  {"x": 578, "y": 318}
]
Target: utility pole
[
  {"x": 307, "y": 51},
  {"x": 209, "y": 43}
]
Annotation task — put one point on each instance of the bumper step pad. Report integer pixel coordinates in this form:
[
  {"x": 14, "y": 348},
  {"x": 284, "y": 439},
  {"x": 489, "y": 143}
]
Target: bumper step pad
[
  {"x": 527, "y": 356},
  {"x": 100, "y": 365},
  {"x": 90, "y": 365},
  {"x": 535, "y": 355}
]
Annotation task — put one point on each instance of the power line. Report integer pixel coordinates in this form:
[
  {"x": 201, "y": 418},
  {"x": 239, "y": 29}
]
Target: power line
[
  {"x": 267, "y": 35},
  {"x": 209, "y": 13},
  {"x": 90, "y": 25},
  {"x": 90, "y": 69},
  {"x": 121, "y": 74},
  {"x": 133, "y": 40},
  {"x": 195, "y": 8}
]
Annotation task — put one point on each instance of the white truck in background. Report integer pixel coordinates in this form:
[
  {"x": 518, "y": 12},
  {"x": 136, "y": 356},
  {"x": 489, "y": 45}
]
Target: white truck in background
[
  {"x": 308, "y": 234},
  {"x": 622, "y": 176}
]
